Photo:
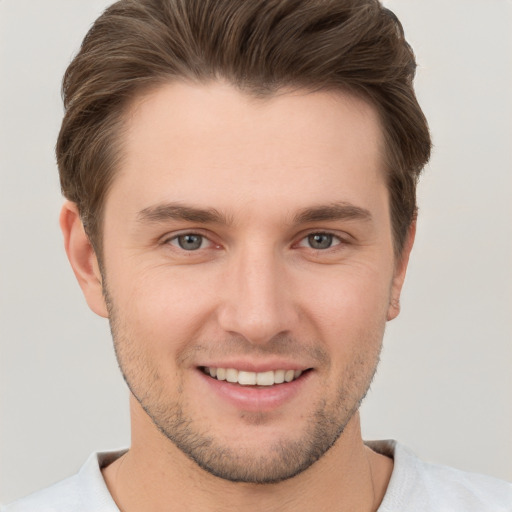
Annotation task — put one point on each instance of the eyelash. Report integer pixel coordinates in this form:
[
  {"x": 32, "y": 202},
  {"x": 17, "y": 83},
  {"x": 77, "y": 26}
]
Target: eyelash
[
  {"x": 330, "y": 236},
  {"x": 335, "y": 241},
  {"x": 176, "y": 238}
]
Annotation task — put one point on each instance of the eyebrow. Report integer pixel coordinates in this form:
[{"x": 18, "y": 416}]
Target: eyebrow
[
  {"x": 175, "y": 211},
  {"x": 332, "y": 212}
]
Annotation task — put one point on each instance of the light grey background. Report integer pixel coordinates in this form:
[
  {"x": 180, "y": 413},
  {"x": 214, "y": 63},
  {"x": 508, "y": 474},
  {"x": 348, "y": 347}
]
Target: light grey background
[{"x": 444, "y": 385}]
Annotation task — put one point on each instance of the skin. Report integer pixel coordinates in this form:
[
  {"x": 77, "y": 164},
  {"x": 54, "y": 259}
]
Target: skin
[{"x": 256, "y": 294}]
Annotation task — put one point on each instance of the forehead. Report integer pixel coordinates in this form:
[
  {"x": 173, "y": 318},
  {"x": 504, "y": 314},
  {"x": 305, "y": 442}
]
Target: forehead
[{"x": 213, "y": 143}]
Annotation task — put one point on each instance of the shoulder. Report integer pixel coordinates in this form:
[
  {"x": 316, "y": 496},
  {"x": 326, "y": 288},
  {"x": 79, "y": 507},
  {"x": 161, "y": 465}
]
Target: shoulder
[
  {"x": 82, "y": 492},
  {"x": 417, "y": 485},
  {"x": 61, "y": 496}
]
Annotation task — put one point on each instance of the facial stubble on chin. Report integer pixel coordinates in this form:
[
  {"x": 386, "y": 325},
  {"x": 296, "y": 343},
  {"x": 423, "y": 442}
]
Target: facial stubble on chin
[{"x": 281, "y": 460}]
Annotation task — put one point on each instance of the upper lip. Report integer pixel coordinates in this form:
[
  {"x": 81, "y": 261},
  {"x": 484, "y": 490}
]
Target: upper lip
[{"x": 254, "y": 366}]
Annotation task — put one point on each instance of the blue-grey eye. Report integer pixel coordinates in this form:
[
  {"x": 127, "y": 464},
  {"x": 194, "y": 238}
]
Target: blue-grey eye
[
  {"x": 320, "y": 240},
  {"x": 190, "y": 242}
]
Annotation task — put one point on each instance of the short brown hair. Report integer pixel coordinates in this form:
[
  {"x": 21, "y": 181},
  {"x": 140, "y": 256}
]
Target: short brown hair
[{"x": 259, "y": 46}]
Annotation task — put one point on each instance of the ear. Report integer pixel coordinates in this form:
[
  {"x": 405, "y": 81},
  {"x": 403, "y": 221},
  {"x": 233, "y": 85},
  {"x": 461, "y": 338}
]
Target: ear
[
  {"x": 400, "y": 271},
  {"x": 82, "y": 257}
]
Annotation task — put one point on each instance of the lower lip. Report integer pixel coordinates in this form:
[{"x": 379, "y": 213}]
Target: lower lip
[{"x": 254, "y": 398}]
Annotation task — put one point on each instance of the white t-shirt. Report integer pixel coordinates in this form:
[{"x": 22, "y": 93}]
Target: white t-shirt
[{"x": 415, "y": 486}]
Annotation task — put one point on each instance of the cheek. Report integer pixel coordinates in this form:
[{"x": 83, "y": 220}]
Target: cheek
[
  {"x": 349, "y": 319},
  {"x": 349, "y": 298},
  {"x": 161, "y": 309}
]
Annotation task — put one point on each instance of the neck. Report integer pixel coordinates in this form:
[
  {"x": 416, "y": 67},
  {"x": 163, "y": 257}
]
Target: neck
[{"x": 154, "y": 474}]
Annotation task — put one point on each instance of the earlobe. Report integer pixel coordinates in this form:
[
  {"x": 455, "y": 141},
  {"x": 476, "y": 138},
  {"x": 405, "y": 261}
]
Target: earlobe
[
  {"x": 82, "y": 258},
  {"x": 400, "y": 271}
]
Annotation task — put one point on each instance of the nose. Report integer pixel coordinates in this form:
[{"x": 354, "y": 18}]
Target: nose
[{"x": 257, "y": 298}]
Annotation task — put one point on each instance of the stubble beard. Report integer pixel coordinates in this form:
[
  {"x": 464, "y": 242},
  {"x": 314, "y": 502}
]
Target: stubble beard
[{"x": 273, "y": 463}]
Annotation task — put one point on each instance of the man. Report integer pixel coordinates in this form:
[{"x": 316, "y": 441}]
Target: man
[{"x": 241, "y": 205}]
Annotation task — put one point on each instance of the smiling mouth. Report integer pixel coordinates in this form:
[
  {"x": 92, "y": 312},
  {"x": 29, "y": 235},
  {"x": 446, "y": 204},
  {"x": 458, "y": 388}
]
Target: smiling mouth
[{"x": 243, "y": 378}]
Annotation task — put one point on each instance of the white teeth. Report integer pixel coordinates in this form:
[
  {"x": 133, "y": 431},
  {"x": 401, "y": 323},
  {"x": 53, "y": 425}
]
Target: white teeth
[
  {"x": 289, "y": 375},
  {"x": 231, "y": 375},
  {"x": 265, "y": 378},
  {"x": 244, "y": 378},
  {"x": 279, "y": 376}
]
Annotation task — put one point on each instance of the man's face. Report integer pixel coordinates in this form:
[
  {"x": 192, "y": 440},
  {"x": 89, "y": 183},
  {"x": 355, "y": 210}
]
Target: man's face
[{"x": 251, "y": 239}]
